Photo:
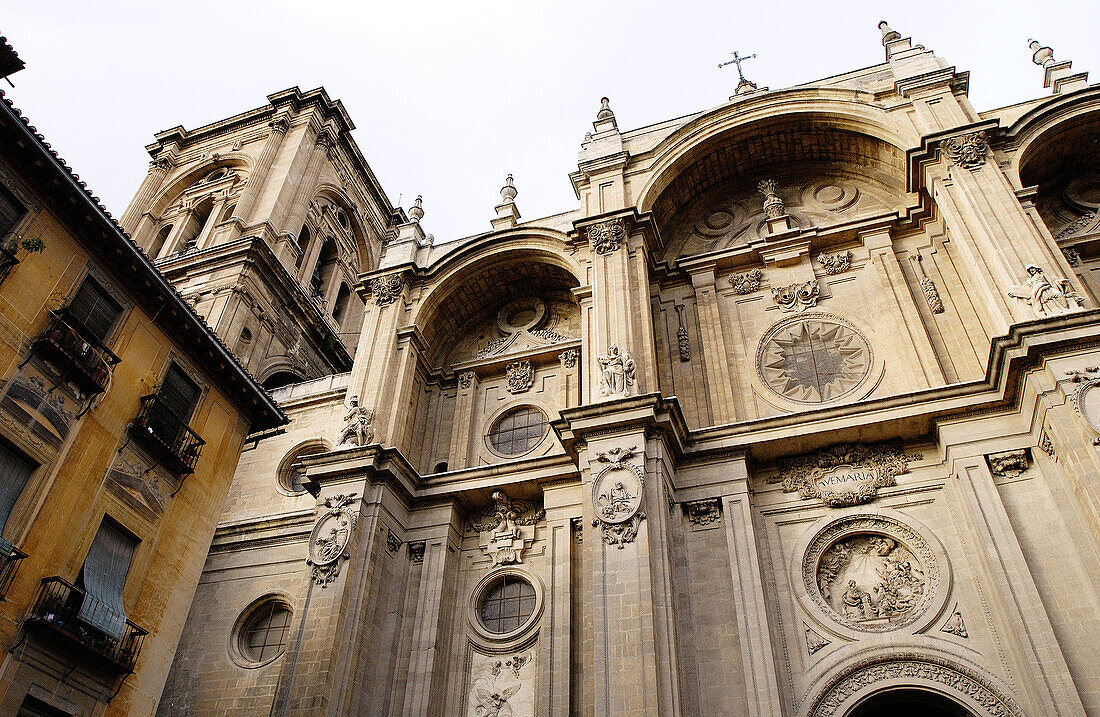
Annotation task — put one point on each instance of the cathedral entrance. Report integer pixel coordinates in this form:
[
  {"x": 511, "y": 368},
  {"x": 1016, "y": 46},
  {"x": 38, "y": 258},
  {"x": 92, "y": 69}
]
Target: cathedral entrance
[{"x": 909, "y": 702}]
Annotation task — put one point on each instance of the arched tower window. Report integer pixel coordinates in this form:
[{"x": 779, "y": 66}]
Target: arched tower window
[
  {"x": 195, "y": 223},
  {"x": 303, "y": 246},
  {"x": 158, "y": 242},
  {"x": 326, "y": 263},
  {"x": 340, "y": 306}
]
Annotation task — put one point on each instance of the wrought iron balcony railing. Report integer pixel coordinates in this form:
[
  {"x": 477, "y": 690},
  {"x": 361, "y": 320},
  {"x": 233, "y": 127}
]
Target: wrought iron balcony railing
[
  {"x": 8, "y": 568},
  {"x": 159, "y": 428},
  {"x": 87, "y": 362},
  {"x": 57, "y": 610}
]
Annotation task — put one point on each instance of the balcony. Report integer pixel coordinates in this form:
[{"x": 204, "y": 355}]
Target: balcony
[
  {"x": 56, "y": 612},
  {"x": 167, "y": 435},
  {"x": 8, "y": 568},
  {"x": 87, "y": 363}
]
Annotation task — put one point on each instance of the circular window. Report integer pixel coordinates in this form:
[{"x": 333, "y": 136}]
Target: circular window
[
  {"x": 289, "y": 477},
  {"x": 264, "y": 632},
  {"x": 507, "y": 604},
  {"x": 518, "y": 431}
]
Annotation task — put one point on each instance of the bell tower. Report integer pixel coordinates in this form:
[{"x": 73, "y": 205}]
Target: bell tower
[{"x": 264, "y": 222}]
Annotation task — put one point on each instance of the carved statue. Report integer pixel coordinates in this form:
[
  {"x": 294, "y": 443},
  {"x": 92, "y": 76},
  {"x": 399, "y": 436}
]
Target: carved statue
[
  {"x": 357, "y": 430},
  {"x": 617, "y": 376},
  {"x": 1045, "y": 300},
  {"x": 857, "y": 602}
]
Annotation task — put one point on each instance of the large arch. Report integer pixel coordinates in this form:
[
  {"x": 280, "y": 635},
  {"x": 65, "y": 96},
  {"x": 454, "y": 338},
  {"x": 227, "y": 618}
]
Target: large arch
[
  {"x": 170, "y": 192},
  {"x": 364, "y": 256}
]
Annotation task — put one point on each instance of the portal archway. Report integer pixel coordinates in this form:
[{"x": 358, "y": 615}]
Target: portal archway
[{"x": 909, "y": 702}]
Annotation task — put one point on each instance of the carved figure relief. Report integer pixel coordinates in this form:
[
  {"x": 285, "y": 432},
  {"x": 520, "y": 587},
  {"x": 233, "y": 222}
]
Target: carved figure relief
[
  {"x": 1009, "y": 464},
  {"x": 814, "y": 641},
  {"x": 508, "y": 529},
  {"x": 814, "y": 359},
  {"x": 748, "y": 282},
  {"x": 703, "y": 512},
  {"x": 357, "y": 430},
  {"x": 955, "y": 625},
  {"x": 1043, "y": 297},
  {"x": 835, "y": 263},
  {"x": 521, "y": 377},
  {"x": 607, "y": 237},
  {"x": 386, "y": 289},
  {"x": 502, "y": 686},
  {"x": 617, "y": 378},
  {"x": 328, "y": 543},
  {"x": 846, "y": 473},
  {"x": 871, "y": 573},
  {"x": 797, "y": 296},
  {"x": 617, "y": 495},
  {"x": 967, "y": 150}
]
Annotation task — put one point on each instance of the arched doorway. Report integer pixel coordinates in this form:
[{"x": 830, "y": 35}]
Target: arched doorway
[{"x": 909, "y": 702}]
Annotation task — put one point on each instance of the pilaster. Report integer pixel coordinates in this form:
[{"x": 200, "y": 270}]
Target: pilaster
[
  {"x": 131, "y": 220},
  {"x": 462, "y": 426},
  {"x": 720, "y": 379},
  {"x": 258, "y": 176}
]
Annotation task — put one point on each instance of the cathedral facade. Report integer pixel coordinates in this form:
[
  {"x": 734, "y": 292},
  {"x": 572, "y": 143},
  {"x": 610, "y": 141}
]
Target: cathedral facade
[{"x": 795, "y": 414}]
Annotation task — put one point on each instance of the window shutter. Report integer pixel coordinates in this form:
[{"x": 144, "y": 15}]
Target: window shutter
[
  {"x": 10, "y": 211},
  {"x": 94, "y": 310},
  {"x": 14, "y": 472},
  {"x": 105, "y": 571},
  {"x": 179, "y": 393}
]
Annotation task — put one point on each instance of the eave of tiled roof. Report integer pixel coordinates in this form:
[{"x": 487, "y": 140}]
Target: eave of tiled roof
[
  {"x": 171, "y": 312},
  {"x": 9, "y": 59}
]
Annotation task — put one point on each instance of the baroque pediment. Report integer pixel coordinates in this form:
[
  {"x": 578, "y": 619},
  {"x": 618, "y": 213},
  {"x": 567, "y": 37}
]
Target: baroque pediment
[{"x": 522, "y": 326}]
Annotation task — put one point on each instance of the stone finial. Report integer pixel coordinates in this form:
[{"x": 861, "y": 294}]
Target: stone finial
[
  {"x": 888, "y": 34},
  {"x": 605, "y": 110},
  {"x": 508, "y": 192},
  {"x": 416, "y": 211},
  {"x": 773, "y": 205},
  {"x": 1042, "y": 55}
]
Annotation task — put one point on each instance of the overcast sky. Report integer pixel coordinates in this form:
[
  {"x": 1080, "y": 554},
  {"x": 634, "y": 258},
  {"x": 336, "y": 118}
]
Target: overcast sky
[{"x": 449, "y": 97}]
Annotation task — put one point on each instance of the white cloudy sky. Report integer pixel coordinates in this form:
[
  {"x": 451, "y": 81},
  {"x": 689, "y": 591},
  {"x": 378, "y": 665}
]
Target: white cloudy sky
[{"x": 449, "y": 97}]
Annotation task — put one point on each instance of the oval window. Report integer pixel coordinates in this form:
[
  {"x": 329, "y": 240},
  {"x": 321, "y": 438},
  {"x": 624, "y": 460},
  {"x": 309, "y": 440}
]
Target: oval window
[{"x": 518, "y": 431}]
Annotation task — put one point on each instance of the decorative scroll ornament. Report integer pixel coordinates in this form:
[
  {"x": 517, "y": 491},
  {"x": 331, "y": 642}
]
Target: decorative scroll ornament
[
  {"x": 465, "y": 379},
  {"x": 1046, "y": 445},
  {"x": 608, "y": 236},
  {"x": 846, "y": 473},
  {"x": 507, "y": 530},
  {"x": 521, "y": 377},
  {"x": 1072, "y": 257},
  {"x": 416, "y": 551},
  {"x": 386, "y": 289},
  {"x": 703, "y": 512},
  {"x": 835, "y": 263},
  {"x": 1009, "y": 464},
  {"x": 1086, "y": 397},
  {"x": 955, "y": 625},
  {"x": 328, "y": 543},
  {"x": 748, "y": 282},
  {"x": 797, "y": 296},
  {"x": 1075, "y": 227},
  {"x": 568, "y": 358},
  {"x": 931, "y": 295},
  {"x": 393, "y": 543},
  {"x": 682, "y": 334},
  {"x": 967, "y": 150},
  {"x": 773, "y": 205},
  {"x": 617, "y": 377},
  {"x": 814, "y": 641},
  {"x": 1043, "y": 297},
  {"x": 617, "y": 494},
  {"x": 357, "y": 430}
]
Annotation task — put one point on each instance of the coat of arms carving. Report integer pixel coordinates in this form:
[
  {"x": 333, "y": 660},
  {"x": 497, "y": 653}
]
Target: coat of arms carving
[
  {"x": 846, "y": 473},
  {"x": 508, "y": 529}
]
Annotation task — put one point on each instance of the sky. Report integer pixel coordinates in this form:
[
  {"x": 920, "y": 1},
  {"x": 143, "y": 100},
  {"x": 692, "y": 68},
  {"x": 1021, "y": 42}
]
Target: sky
[{"x": 450, "y": 97}]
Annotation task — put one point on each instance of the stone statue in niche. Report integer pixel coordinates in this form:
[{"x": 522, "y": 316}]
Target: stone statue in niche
[
  {"x": 508, "y": 529},
  {"x": 617, "y": 377},
  {"x": 869, "y": 578},
  {"x": 1044, "y": 298},
  {"x": 357, "y": 430}
]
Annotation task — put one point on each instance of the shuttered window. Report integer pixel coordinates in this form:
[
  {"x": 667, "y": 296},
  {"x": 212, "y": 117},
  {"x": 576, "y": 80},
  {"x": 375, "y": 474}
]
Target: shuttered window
[
  {"x": 105, "y": 570},
  {"x": 14, "y": 472},
  {"x": 94, "y": 309},
  {"x": 178, "y": 393},
  {"x": 10, "y": 210}
]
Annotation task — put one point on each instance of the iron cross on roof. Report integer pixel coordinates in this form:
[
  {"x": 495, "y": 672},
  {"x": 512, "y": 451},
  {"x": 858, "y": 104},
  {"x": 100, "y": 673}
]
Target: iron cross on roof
[{"x": 737, "y": 60}]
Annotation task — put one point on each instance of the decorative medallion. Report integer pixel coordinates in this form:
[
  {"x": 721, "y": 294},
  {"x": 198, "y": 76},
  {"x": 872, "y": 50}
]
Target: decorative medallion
[
  {"x": 703, "y": 512},
  {"x": 871, "y": 573},
  {"x": 1044, "y": 298},
  {"x": 328, "y": 543},
  {"x": 967, "y": 150},
  {"x": 617, "y": 379},
  {"x": 797, "y": 296},
  {"x": 835, "y": 263},
  {"x": 748, "y": 282},
  {"x": 521, "y": 377},
  {"x": 507, "y": 530},
  {"x": 521, "y": 314},
  {"x": 813, "y": 358},
  {"x": 608, "y": 236},
  {"x": 1086, "y": 397},
  {"x": 1009, "y": 464},
  {"x": 846, "y": 473},
  {"x": 617, "y": 494},
  {"x": 386, "y": 289}
]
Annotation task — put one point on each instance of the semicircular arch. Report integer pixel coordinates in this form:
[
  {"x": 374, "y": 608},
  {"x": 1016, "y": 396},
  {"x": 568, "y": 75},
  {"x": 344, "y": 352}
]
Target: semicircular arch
[{"x": 188, "y": 179}]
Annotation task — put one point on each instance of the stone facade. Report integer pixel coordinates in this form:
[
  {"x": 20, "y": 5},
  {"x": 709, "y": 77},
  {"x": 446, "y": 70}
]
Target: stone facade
[{"x": 796, "y": 414}]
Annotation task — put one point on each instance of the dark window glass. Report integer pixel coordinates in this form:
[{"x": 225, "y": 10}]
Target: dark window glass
[
  {"x": 518, "y": 431},
  {"x": 265, "y": 634},
  {"x": 178, "y": 393},
  {"x": 507, "y": 604},
  {"x": 32, "y": 707},
  {"x": 14, "y": 471},
  {"x": 94, "y": 310},
  {"x": 11, "y": 209}
]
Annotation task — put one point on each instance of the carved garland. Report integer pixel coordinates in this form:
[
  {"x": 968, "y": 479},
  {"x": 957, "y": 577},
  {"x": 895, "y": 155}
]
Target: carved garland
[
  {"x": 607, "y": 237},
  {"x": 748, "y": 282},
  {"x": 835, "y": 263},
  {"x": 386, "y": 289}
]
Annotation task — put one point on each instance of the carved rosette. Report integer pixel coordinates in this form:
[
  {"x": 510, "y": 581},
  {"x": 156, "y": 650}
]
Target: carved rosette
[
  {"x": 607, "y": 237},
  {"x": 617, "y": 496},
  {"x": 967, "y": 150},
  {"x": 872, "y": 573},
  {"x": 846, "y": 473},
  {"x": 748, "y": 282},
  {"x": 330, "y": 538},
  {"x": 386, "y": 289},
  {"x": 520, "y": 376},
  {"x": 797, "y": 296}
]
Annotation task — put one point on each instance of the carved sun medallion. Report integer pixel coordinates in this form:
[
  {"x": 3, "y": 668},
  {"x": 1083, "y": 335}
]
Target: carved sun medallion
[{"x": 814, "y": 359}]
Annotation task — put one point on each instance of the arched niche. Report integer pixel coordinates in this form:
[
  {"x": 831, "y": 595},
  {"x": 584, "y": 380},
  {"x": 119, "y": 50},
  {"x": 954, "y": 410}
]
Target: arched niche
[
  {"x": 827, "y": 173},
  {"x": 335, "y": 214}
]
